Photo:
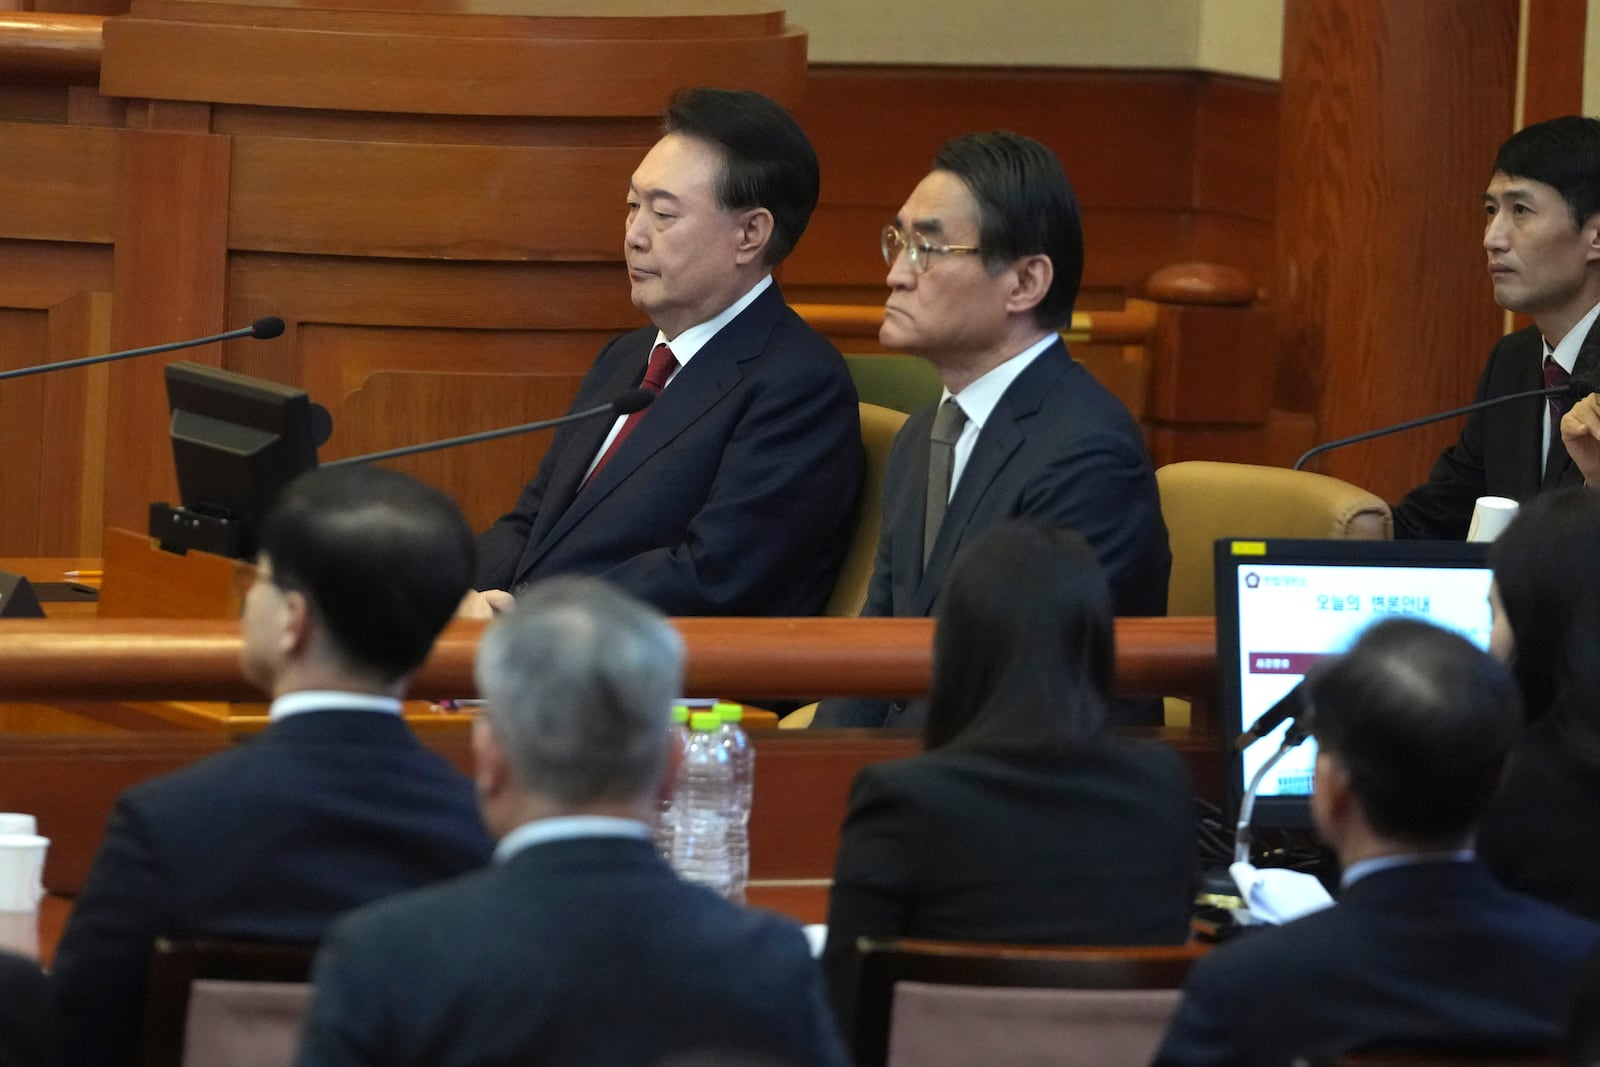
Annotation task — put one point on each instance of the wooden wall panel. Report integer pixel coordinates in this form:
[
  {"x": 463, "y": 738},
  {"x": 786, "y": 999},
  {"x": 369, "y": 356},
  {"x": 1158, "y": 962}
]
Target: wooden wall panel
[
  {"x": 76, "y": 403},
  {"x": 1392, "y": 112},
  {"x": 58, "y": 183},
  {"x": 429, "y": 201},
  {"x": 24, "y": 340},
  {"x": 169, "y": 271},
  {"x": 1553, "y": 74}
]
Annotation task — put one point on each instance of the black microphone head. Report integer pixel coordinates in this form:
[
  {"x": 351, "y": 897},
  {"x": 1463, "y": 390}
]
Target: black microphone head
[
  {"x": 632, "y": 400},
  {"x": 264, "y": 329},
  {"x": 321, "y": 425},
  {"x": 1579, "y": 387}
]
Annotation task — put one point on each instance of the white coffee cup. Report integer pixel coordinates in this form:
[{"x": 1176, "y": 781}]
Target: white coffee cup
[
  {"x": 21, "y": 871},
  {"x": 15, "y": 822},
  {"x": 19, "y": 932},
  {"x": 1490, "y": 516}
]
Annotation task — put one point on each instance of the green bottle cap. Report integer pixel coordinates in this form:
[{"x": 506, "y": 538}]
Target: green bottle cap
[
  {"x": 704, "y": 720},
  {"x": 680, "y": 713},
  {"x": 729, "y": 712}
]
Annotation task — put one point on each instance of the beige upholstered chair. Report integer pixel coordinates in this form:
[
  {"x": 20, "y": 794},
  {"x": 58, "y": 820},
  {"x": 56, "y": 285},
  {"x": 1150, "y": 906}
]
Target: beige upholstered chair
[
  {"x": 215, "y": 1003},
  {"x": 1202, "y": 501},
  {"x": 878, "y": 427},
  {"x": 937, "y": 1003}
]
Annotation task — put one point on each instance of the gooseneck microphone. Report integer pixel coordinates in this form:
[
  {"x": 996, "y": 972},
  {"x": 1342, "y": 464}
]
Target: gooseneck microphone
[
  {"x": 624, "y": 403},
  {"x": 1575, "y": 389},
  {"x": 261, "y": 329},
  {"x": 1289, "y": 707}
]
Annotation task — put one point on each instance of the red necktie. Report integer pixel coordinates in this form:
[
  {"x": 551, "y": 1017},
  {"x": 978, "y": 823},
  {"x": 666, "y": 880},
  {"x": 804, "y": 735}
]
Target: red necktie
[
  {"x": 662, "y": 364},
  {"x": 1555, "y": 374}
]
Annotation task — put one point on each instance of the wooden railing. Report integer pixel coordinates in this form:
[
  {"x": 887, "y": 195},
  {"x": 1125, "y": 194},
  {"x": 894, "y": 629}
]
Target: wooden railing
[
  {"x": 161, "y": 659},
  {"x": 50, "y": 47},
  {"x": 1133, "y": 325}
]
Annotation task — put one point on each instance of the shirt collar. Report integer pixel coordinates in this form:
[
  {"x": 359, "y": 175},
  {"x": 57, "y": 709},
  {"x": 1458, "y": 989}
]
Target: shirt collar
[
  {"x": 1357, "y": 871},
  {"x": 1566, "y": 352},
  {"x": 566, "y": 828},
  {"x": 304, "y": 700},
  {"x": 981, "y": 395},
  {"x": 686, "y": 344}
]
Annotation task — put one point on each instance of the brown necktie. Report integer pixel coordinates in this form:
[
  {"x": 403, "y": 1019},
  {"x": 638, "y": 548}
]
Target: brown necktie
[
  {"x": 662, "y": 364},
  {"x": 947, "y": 426},
  {"x": 1555, "y": 374}
]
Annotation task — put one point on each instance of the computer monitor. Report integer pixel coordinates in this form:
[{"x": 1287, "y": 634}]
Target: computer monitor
[
  {"x": 1282, "y": 605},
  {"x": 236, "y": 442}
]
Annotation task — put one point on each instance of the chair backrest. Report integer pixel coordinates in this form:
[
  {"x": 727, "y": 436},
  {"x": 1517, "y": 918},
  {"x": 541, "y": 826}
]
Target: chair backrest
[
  {"x": 878, "y": 428},
  {"x": 903, "y": 383},
  {"x": 1202, "y": 501},
  {"x": 215, "y": 1002},
  {"x": 988, "y": 979}
]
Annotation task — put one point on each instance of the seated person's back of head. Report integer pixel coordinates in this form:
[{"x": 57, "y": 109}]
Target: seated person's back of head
[
  {"x": 335, "y": 803},
  {"x": 1025, "y": 820},
  {"x": 1542, "y": 832},
  {"x": 1424, "y": 947}
]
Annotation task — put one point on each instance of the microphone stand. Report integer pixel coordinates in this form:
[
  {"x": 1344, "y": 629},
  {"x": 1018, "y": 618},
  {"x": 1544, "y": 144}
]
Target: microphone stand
[{"x": 1247, "y": 806}]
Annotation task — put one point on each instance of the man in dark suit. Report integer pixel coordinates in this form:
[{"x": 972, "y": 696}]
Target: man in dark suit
[
  {"x": 984, "y": 264},
  {"x": 579, "y": 946},
  {"x": 336, "y": 803},
  {"x": 27, "y": 1015},
  {"x": 1543, "y": 241},
  {"x": 734, "y": 492},
  {"x": 1424, "y": 947}
]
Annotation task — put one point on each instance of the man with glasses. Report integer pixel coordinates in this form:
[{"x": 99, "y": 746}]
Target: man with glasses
[
  {"x": 335, "y": 804},
  {"x": 984, "y": 263}
]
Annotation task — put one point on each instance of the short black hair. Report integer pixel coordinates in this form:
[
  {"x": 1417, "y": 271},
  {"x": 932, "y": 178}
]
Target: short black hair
[
  {"x": 1026, "y": 207},
  {"x": 1023, "y": 652},
  {"x": 383, "y": 559},
  {"x": 767, "y": 160},
  {"x": 1422, "y": 721},
  {"x": 1563, "y": 153},
  {"x": 1547, "y": 567}
]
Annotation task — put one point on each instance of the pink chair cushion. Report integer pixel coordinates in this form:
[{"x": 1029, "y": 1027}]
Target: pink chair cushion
[{"x": 244, "y": 1024}]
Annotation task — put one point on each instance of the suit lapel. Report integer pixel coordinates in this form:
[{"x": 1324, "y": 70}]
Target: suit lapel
[
  {"x": 698, "y": 387},
  {"x": 998, "y": 441},
  {"x": 1560, "y": 469}
]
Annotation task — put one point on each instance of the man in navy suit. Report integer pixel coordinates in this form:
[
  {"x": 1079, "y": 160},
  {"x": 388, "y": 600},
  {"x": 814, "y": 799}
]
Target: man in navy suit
[
  {"x": 335, "y": 804},
  {"x": 1423, "y": 948},
  {"x": 579, "y": 946},
  {"x": 984, "y": 264},
  {"x": 734, "y": 493},
  {"x": 1542, "y": 237}
]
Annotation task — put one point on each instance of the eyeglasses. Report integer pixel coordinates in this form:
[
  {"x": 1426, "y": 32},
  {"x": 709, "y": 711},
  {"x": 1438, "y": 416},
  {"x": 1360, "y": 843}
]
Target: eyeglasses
[{"x": 919, "y": 251}]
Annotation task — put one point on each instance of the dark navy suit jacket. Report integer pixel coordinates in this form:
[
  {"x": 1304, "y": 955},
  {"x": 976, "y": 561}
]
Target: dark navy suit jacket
[
  {"x": 735, "y": 494},
  {"x": 1059, "y": 448},
  {"x": 27, "y": 1017},
  {"x": 1498, "y": 451},
  {"x": 270, "y": 841},
  {"x": 1436, "y": 954},
  {"x": 581, "y": 951}
]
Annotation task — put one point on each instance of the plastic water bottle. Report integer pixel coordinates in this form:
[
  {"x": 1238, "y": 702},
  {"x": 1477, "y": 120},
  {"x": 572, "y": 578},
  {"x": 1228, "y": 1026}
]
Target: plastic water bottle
[
  {"x": 742, "y": 758},
  {"x": 704, "y": 798},
  {"x": 666, "y": 815}
]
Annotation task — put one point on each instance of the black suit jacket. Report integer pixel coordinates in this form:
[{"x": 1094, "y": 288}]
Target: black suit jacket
[
  {"x": 27, "y": 1016},
  {"x": 1058, "y": 447},
  {"x": 582, "y": 951},
  {"x": 735, "y": 493},
  {"x": 323, "y": 812},
  {"x": 1541, "y": 834},
  {"x": 1436, "y": 954},
  {"x": 1096, "y": 847},
  {"x": 1498, "y": 451}
]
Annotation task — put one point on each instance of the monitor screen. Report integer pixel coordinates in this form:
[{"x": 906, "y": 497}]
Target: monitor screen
[
  {"x": 1282, "y": 605},
  {"x": 236, "y": 442}
]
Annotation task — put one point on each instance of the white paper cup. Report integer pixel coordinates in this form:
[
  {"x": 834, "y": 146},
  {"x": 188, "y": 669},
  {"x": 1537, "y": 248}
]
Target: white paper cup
[
  {"x": 21, "y": 871},
  {"x": 15, "y": 822},
  {"x": 19, "y": 932},
  {"x": 1490, "y": 517}
]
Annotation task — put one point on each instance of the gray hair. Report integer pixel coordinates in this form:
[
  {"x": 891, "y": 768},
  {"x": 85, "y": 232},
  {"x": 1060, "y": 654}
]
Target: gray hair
[{"x": 578, "y": 682}]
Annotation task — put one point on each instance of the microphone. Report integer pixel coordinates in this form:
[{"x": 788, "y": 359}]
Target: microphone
[
  {"x": 624, "y": 403},
  {"x": 1290, "y": 706},
  {"x": 1576, "y": 389},
  {"x": 262, "y": 329}
]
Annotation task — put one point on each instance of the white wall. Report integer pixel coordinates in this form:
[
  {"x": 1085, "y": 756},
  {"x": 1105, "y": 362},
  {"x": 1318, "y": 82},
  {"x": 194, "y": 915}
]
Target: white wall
[{"x": 1232, "y": 36}]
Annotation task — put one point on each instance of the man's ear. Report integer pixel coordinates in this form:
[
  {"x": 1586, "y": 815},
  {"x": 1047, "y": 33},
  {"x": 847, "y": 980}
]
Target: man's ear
[
  {"x": 299, "y": 625},
  {"x": 755, "y": 230},
  {"x": 1031, "y": 277},
  {"x": 491, "y": 767},
  {"x": 1333, "y": 802},
  {"x": 1590, "y": 231}
]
